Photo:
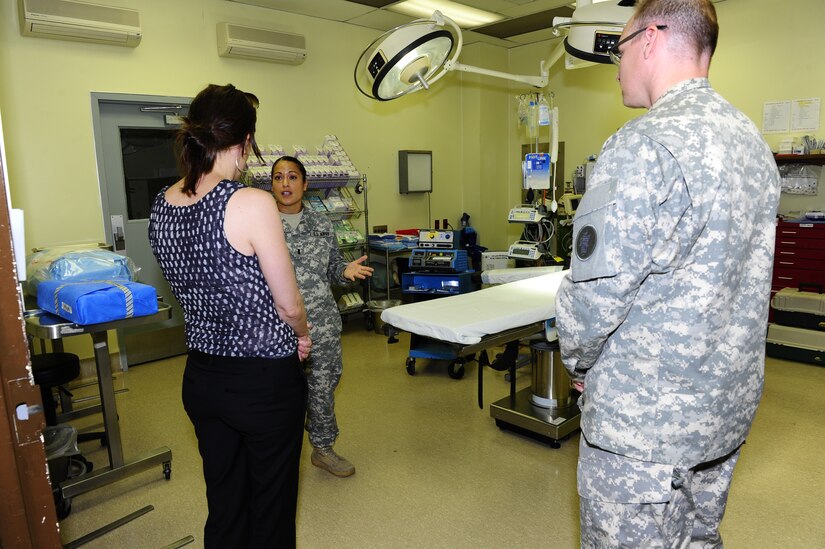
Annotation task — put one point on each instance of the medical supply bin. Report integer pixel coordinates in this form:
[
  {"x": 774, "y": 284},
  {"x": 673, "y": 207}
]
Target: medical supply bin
[{"x": 799, "y": 344}]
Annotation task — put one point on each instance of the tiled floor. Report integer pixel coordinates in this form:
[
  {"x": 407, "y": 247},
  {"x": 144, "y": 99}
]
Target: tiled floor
[{"x": 434, "y": 471}]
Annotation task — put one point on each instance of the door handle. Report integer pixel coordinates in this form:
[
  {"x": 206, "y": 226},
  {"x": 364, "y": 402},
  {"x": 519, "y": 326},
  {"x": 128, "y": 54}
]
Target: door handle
[
  {"x": 118, "y": 233},
  {"x": 23, "y": 411}
]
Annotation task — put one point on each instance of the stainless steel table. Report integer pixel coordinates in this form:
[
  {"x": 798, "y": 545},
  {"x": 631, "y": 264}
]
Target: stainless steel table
[{"x": 43, "y": 325}]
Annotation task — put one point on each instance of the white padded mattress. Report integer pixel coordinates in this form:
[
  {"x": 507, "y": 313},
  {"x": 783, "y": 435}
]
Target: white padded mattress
[{"x": 465, "y": 319}]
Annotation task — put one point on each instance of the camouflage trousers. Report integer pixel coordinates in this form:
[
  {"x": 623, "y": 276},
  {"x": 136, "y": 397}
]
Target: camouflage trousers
[
  {"x": 689, "y": 517},
  {"x": 323, "y": 371}
]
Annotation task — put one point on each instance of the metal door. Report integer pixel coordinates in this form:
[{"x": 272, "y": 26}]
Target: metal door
[{"x": 134, "y": 140}]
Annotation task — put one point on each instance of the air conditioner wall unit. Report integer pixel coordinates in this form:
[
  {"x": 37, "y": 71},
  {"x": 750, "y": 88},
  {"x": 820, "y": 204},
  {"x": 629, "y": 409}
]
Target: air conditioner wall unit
[
  {"x": 79, "y": 21},
  {"x": 260, "y": 44}
]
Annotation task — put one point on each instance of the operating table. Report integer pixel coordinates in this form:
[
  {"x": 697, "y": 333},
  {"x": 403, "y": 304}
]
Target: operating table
[{"x": 471, "y": 323}]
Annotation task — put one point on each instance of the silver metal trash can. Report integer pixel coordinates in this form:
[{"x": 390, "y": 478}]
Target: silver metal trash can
[
  {"x": 551, "y": 383},
  {"x": 377, "y": 307}
]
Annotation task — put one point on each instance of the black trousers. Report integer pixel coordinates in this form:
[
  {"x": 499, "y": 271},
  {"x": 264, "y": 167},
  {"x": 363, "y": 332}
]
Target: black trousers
[{"x": 248, "y": 415}]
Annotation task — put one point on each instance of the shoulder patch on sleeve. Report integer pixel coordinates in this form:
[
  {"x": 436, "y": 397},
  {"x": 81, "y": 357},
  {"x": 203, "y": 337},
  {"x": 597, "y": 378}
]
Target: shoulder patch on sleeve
[{"x": 586, "y": 242}]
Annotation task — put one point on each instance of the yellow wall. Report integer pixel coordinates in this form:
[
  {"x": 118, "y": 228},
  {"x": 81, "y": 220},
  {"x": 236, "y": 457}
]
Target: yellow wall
[
  {"x": 45, "y": 100},
  {"x": 485, "y": 123}
]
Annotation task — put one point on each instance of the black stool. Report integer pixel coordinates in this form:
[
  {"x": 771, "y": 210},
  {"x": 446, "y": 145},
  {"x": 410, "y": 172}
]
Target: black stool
[{"x": 52, "y": 370}]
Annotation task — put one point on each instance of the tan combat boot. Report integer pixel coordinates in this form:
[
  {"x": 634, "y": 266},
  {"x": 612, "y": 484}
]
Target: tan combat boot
[{"x": 327, "y": 459}]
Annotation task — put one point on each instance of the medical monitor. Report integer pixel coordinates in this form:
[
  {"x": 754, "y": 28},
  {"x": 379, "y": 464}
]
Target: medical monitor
[{"x": 571, "y": 203}]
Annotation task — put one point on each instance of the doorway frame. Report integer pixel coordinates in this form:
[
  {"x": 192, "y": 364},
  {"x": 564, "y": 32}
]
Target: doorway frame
[{"x": 97, "y": 100}]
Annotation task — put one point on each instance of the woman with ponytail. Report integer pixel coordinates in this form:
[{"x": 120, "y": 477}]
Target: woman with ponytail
[{"x": 221, "y": 247}]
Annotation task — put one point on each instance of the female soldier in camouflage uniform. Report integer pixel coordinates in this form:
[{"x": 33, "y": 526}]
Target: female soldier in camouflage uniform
[{"x": 318, "y": 263}]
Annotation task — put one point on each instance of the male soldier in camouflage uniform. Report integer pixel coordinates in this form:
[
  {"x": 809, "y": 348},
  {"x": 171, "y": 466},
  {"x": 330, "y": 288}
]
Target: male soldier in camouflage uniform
[
  {"x": 318, "y": 263},
  {"x": 662, "y": 319}
]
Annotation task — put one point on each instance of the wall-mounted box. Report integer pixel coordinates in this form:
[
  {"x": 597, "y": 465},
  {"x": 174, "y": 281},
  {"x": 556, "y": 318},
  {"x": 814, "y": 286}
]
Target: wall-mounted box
[{"x": 415, "y": 172}]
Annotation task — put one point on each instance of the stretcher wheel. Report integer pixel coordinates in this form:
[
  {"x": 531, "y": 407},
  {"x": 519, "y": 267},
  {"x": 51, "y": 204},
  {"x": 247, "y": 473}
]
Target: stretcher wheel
[
  {"x": 167, "y": 470},
  {"x": 455, "y": 370},
  {"x": 411, "y": 365}
]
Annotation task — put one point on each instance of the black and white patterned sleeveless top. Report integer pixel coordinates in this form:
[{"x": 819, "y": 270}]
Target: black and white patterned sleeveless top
[{"x": 228, "y": 309}]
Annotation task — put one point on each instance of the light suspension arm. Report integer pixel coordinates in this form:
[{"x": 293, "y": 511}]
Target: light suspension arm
[
  {"x": 535, "y": 81},
  {"x": 452, "y": 64}
]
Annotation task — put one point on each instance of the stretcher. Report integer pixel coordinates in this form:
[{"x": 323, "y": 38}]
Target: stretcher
[{"x": 463, "y": 325}]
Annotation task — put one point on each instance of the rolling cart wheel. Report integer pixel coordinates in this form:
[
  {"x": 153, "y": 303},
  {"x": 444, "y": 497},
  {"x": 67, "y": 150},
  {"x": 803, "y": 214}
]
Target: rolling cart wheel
[
  {"x": 455, "y": 370},
  {"x": 62, "y": 506},
  {"x": 167, "y": 470},
  {"x": 411, "y": 365},
  {"x": 370, "y": 325}
]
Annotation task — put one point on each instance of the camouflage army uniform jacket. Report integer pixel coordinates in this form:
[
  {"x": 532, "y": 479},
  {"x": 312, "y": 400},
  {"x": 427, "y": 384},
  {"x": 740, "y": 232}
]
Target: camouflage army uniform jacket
[
  {"x": 318, "y": 263},
  {"x": 664, "y": 312}
]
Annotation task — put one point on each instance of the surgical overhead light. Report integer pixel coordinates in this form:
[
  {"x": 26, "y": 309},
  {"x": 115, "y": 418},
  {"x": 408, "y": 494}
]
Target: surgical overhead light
[
  {"x": 592, "y": 31},
  {"x": 413, "y": 56}
]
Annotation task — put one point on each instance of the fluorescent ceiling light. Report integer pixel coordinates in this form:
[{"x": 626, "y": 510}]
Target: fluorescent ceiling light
[{"x": 464, "y": 16}]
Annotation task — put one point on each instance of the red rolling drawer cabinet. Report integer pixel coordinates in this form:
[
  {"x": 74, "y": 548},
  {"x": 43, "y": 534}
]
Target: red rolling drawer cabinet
[
  {"x": 799, "y": 263},
  {"x": 800, "y": 255}
]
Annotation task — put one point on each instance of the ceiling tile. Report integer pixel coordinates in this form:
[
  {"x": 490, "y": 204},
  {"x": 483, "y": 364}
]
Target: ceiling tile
[
  {"x": 528, "y": 21},
  {"x": 524, "y": 24},
  {"x": 336, "y": 10},
  {"x": 374, "y": 3},
  {"x": 535, "y": 7},
  {"x": 471, "y": 37},
  {"x": 381, "y": 20},
  {"x": 536, "y": 36}
]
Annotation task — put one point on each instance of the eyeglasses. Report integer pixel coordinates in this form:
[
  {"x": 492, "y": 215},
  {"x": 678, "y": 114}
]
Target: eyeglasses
[{"x": 616, "y": 55}]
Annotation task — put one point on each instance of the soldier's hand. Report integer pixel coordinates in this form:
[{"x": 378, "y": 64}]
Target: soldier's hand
[{"x": 355, "y": 269}]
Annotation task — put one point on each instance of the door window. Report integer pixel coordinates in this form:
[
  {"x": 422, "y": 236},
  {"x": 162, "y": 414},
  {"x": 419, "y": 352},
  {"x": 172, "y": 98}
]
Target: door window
[{"x": 149, "y": 165}]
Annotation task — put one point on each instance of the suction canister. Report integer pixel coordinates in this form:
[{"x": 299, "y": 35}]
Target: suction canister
[{"x": 551, "y": 383}]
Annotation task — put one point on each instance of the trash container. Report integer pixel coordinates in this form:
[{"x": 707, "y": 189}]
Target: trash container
[
  {"x": 376, "y": 307},
  {"x": 60, "y": 442},
  {"x": 551, "y": 384}
]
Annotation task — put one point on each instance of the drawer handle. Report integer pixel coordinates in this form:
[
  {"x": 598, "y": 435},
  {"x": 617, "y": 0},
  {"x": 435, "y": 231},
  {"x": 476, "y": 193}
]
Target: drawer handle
[
  {"x": 788, "y": 253},
  {"x": 822, "y": 325},
  {"x": 787, "y": 232},
  {"x": 786, "y": 263},
  {"x": 784, "y": 278}
]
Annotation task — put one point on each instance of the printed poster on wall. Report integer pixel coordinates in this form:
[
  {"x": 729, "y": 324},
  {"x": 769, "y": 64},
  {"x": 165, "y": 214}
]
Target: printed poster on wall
[
  {"x": 805, "y": 115},
  {"x": 776, "y": 117}
]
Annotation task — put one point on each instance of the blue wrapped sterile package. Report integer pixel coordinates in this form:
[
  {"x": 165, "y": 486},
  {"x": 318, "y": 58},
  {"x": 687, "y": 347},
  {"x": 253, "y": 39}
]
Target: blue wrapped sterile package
[{"x": 96, "y": 301}]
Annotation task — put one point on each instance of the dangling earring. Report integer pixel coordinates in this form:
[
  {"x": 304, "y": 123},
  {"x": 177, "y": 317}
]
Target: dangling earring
[{"x": 243, "y": 175}]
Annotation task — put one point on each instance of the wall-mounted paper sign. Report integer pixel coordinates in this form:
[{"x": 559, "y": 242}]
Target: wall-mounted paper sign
[
  {"x": 805, "y": 115},
  {"x": 776, "y": 117}
]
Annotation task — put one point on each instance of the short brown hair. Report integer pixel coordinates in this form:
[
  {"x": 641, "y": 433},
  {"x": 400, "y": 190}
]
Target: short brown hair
[
  {"x": 219, "y": 117},
  {"x": 693, "y": 20}
]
